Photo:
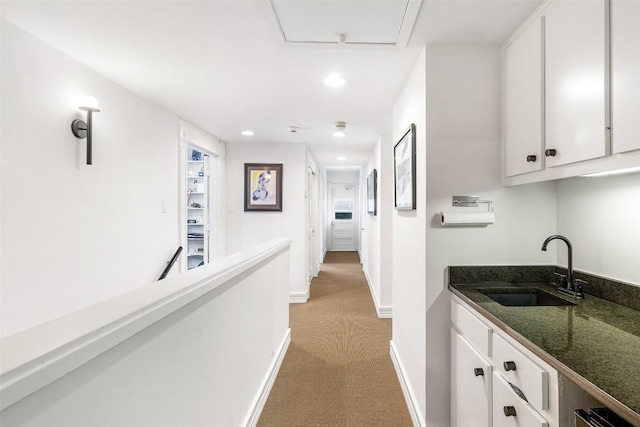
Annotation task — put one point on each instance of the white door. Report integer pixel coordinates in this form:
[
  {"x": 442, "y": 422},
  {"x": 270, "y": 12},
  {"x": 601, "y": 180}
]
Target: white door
[
  {"x": 312, "y": 223},
  {"x": 343, "y": 218}
]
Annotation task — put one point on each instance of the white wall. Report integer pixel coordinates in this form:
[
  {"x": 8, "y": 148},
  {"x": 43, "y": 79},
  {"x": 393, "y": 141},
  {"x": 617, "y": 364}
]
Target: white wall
[
  {"x": 601, "y": 218},
  {"x": 385, "y": 217},
  {"x": 378, "y": 229},
  {"x": 72, "y": 234},
  {"x": 409, "y": 250},
  {"x": 463, "y": 158},
  {"x": 343, "y": 177},
  {"x": 245, "y": 229}
]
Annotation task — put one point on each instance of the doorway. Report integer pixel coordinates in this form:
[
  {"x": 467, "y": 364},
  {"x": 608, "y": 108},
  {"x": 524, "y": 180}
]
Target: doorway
[
  {"x": 343, "y": 220},
  {"x": 312, "y": 223}
]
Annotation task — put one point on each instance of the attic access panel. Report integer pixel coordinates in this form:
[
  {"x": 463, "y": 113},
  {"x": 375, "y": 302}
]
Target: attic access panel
[{"x": 383, "y": 23}]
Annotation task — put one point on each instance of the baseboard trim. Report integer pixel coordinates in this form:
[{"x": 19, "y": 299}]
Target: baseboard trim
[
  {"x": 409, "y": 397},
  {"x": 299, "y": 297},
  {"x": 267, "y": 384},
  {"x": 383, "y": 311}
]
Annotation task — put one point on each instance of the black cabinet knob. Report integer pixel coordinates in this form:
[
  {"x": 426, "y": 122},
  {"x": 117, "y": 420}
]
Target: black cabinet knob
[
  {"x": 509, "y": 366},
  {"x": 550, "y": 152},
  {"x": 531, "y": 158},
  {"x": 509, "y": 411},
  {"x": 478, "y": 372}
]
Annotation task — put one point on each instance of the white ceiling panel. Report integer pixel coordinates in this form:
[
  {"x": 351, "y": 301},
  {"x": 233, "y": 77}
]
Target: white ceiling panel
[
  {"x": 381, "y": 23},
  {"x": 322, "y": 21}
]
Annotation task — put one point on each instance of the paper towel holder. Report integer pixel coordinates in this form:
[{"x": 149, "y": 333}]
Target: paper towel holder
[{"x": 470, "y": 202}]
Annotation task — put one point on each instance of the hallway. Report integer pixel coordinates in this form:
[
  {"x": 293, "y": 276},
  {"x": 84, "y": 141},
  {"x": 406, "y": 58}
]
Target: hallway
[{"x": 337, "y": 371}]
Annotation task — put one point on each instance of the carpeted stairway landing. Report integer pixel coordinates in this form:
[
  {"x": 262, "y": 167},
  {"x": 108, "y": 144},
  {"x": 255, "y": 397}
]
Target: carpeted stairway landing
[{"x": 337, "y": 371}]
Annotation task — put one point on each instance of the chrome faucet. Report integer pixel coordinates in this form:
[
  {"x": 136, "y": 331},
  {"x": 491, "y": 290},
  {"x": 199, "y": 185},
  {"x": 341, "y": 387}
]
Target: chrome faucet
[{"x": 570, "y": 289}]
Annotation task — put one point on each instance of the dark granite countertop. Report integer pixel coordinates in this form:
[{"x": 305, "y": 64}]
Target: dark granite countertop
[{"x": 595, "y": 343}]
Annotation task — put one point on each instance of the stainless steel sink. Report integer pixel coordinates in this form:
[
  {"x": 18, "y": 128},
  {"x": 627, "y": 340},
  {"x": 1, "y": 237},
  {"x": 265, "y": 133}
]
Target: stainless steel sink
[{"x": 524, "y": 298}]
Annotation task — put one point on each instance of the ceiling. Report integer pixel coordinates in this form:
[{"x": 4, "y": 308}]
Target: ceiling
[{"x": 218, "y": 65}]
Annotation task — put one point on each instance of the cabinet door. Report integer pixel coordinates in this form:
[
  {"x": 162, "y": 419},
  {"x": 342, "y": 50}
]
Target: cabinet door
[
  {"x": 470, "y": 385},
  {"x": 509, "y": 410},
  {"x": 575, "y": 80},
  {"x": 625, "y": 75},
  {"x": 523, "y": 100}
]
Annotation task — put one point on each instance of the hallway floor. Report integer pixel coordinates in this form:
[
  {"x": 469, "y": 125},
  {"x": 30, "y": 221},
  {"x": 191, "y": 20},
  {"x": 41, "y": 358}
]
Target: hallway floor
[{"x": 337, "y": 370}]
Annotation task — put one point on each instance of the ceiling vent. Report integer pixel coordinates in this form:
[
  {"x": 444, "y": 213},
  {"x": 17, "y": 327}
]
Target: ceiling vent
[{"x": 381, "y": 23}]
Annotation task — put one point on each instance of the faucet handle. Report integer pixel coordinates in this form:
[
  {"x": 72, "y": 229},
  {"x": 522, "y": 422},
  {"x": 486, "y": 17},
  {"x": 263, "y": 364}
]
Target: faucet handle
[
  {"x": 580, "y": 284},
  {"x": 563, "y": 279}
]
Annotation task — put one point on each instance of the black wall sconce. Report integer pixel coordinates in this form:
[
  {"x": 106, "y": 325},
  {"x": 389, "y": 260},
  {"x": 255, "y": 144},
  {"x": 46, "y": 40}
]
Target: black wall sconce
[{"x": 83, "y": 130}]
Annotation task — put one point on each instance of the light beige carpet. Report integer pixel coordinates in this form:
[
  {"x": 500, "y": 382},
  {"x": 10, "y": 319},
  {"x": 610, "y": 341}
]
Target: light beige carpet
[{"x": 337, "y": 371}]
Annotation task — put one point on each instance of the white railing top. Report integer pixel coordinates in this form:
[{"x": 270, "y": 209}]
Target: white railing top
[{"x": 31, "y": 359}]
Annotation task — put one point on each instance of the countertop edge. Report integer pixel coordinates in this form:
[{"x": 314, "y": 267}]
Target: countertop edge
[{"x": 620, "y": 408}]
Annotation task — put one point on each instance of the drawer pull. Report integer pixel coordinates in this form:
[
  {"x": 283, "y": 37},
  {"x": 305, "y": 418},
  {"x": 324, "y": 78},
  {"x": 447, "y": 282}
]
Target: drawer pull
[
  {"x": 531, "y": 158},
  {"x": 509, "y": 366},
  {"x": 509, "y": 411},
  {"x": 550, "y": 152},
  {"x": 478, "y": 372}
]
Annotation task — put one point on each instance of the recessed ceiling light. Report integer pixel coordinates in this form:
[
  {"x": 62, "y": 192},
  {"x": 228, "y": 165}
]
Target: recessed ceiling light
[
  {"x": 341, "y": 127},
  {"x": 334, "y": 80},
  {"x": 341, "y": 158},
  {"x": 248, "y": 132}
]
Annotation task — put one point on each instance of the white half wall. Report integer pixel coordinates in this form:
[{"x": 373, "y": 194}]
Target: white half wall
[
  {"x": 73, "y": 234},
  {"x": 601, "y": 218},
  {"x": 245, "y": 229},
  {"x": 197, "y": 349},
  {"x": 464, "y": 158}
]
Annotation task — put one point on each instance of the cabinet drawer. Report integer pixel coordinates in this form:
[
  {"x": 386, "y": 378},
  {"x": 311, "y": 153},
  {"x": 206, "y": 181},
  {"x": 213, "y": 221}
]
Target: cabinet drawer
[
  {"x": 521, "y": 371},
  {"x": 521, "y": 413},
  {"x": 472, "y": 328}
]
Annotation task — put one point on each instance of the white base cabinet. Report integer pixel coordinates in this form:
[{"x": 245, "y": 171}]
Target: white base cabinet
[
  {"x": 490, "y": 397},
  {"x": 470, "y": 384}
]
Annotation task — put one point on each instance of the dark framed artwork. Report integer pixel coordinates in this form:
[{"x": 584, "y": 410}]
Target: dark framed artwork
[
  {"x": 372, "y": 193},
  {"x": 404, "y": 162},
  {"x": 263, "y": 187}
]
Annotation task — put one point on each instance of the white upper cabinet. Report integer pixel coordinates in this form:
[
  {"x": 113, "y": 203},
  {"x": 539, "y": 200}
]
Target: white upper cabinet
[
  {"x": 523, "y": 100},
  {"x": 575, "y": 81},
  {"x": 625, "y": 75}
]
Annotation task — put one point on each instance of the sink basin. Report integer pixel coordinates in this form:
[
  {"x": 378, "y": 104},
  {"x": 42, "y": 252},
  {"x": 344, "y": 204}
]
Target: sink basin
[{"x": 524, "y": 298}]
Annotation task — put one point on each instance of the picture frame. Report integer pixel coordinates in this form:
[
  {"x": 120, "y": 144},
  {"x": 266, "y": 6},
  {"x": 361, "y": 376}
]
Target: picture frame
[
  {"x": 263, "y": 187},
  {"x": 372, "y": 193},
  {"x": 404, "y": 164}
]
